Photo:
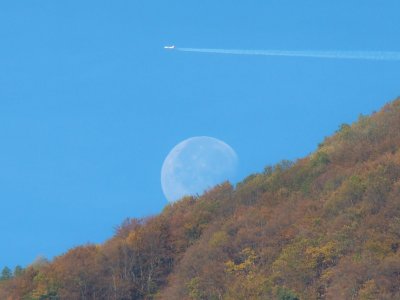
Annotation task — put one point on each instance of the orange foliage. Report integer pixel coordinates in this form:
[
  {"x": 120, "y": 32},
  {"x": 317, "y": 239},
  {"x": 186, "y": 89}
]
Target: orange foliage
[{"x": 325, "y": 227}]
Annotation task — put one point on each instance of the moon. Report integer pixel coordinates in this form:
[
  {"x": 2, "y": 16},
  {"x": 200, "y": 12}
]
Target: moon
[{"x": 195, "y": 165}]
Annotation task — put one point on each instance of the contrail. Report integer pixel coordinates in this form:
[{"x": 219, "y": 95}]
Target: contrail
[{"x": 314, "y": 54}]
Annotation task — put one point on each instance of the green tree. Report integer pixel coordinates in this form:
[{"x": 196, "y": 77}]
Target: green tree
[
  {"x": 18, "y": 270},
  {"x": 286, "y": 294},
  {"x": 6, "y": 274}
]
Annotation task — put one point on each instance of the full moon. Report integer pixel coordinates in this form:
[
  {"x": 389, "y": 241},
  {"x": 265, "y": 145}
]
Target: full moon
[{"x": 195, "y": 165}]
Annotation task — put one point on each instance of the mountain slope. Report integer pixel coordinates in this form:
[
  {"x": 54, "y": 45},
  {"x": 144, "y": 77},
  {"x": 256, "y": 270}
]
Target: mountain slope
[{"x": 324, "y": 227}]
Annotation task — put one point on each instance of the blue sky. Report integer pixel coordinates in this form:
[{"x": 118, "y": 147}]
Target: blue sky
[{"x": 91, "y": 103}]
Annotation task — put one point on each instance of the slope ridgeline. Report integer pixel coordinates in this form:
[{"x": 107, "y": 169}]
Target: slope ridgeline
[{"x": 324, "y": 227}]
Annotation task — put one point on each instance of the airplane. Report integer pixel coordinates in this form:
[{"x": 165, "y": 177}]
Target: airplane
[{"x": 169, "y": 47}]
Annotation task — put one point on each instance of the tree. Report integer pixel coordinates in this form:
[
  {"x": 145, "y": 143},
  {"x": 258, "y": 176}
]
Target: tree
[
  {"x": 18, "y": 271},
  {"x": 286, "y": 294},
  {"x": 6, "y": 274}
]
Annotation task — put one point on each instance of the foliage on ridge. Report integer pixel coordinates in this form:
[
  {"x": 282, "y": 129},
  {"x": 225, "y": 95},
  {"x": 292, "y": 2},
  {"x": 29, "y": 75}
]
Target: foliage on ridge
[{"x": 324, "y": 227}]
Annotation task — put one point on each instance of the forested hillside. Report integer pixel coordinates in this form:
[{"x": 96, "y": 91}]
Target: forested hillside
[{"x": 323, "y": 227}]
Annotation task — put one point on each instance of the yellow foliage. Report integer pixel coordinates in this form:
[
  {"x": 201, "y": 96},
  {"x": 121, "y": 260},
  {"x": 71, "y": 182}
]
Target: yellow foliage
[
  {"x": 246, "y": 282},
  {"x": 327, "y": 275},
  {"x": 325, "y": 255},
  {"x": 194, "y": 288},
  {"x": 380, "y": 249},
  {"x": 218, "y": 239},
  {"x": 249, "y": 287},
  {"x": 369, "y": 291},
  {"x": 248, "y": 262}
]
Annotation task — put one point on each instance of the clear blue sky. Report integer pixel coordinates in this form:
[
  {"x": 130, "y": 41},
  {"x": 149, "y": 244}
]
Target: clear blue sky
[{"x": 91, "y": 103}]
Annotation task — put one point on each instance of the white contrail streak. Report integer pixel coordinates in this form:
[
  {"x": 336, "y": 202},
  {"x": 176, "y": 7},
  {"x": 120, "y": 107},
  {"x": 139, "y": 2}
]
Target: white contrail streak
[{"x": 314, "y": 54}]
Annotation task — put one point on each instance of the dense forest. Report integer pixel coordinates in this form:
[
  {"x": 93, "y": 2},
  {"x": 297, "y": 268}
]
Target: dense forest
[{"x": 324, "y": 227}]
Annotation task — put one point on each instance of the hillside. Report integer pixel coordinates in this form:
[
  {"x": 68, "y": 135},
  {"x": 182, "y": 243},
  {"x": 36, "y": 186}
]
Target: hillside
[{"x": 323, "y": 227}]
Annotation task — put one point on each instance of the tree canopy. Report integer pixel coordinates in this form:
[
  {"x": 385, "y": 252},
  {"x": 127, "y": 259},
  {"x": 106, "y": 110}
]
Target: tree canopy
[{"x": 324, "y": 227}]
